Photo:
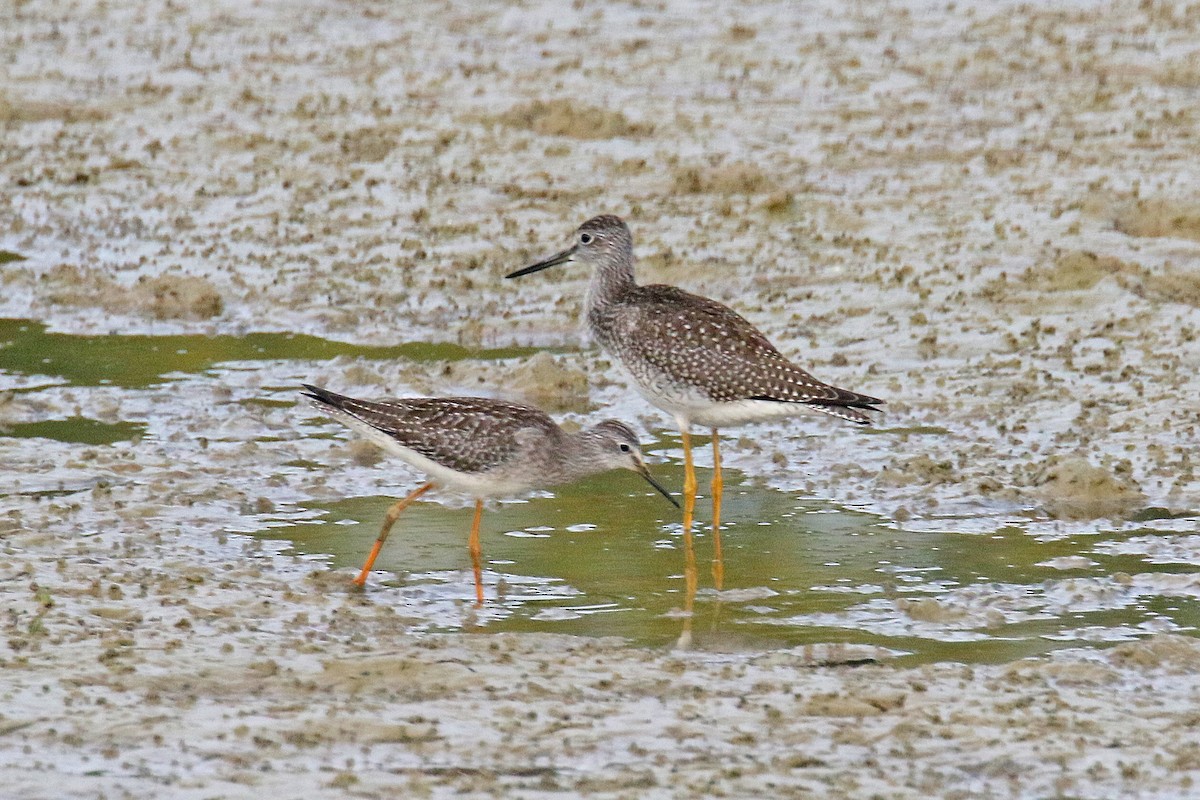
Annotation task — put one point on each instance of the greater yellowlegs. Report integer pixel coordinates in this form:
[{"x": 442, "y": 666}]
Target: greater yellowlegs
[
  {"x": 694, "y": 358},
  {"x": 482, "y": 448}
]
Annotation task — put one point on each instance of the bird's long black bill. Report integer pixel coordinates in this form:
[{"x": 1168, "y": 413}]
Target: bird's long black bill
[
  {"x": 552, "y": 261},
  {"x": 645, "y": 473}
]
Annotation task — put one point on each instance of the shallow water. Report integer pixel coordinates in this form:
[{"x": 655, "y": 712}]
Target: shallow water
[
  {"x": 604, "y": 556},
  {"x": 599, "y": 558}
]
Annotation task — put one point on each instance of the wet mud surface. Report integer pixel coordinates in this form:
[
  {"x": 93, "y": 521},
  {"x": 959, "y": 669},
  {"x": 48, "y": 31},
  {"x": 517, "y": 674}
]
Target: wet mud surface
[{"x": 983, "y": 213}]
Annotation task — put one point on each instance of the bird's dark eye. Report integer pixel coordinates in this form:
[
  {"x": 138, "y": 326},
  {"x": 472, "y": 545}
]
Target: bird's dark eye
[
  {"x": 586, "y": 238},
  {"x": 625, "y": 448}
]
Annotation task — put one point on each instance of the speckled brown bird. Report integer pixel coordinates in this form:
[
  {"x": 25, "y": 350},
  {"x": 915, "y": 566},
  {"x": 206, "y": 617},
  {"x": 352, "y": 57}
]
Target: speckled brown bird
[
  {"x": 696, "y": 359},
  {"x": 482, "y": 448}
]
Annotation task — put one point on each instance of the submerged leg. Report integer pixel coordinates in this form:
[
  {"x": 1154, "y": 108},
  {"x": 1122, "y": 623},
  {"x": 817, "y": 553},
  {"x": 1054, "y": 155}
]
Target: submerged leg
[
  {"x": 388, "y": 522},
  {"x": 689, "y": 505},
  {"x": 689, "y": 483},
  {"x": 689, "y": 551},
  {"x": 477, "y": 552},
  {"x": 718, "y": 485}
]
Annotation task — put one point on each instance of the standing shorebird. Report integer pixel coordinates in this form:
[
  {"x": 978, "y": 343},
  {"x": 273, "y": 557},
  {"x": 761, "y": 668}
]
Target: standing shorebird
[
  {"x": 694, "y": 358},
  {"x": 482, "y": 448}
]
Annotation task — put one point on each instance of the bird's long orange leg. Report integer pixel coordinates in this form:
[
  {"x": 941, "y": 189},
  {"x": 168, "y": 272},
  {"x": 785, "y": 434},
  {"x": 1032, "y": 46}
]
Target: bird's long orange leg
[
  {"x": 689, "y": 484},
  {"x": 689, "y": 550},
  {"x": 689, "y": 505},
  {"x": 388, "y": 522},
  {"x": 477, "y": 552},
  {"x": 718, "y": 485}
]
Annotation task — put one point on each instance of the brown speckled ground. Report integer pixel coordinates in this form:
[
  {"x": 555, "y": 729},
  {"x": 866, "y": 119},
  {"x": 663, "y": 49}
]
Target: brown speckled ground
[{"x": 984, "y": 213}]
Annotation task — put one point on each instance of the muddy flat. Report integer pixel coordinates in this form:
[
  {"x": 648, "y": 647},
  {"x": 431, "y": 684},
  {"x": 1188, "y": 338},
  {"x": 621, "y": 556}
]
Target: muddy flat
[{"x": 984, "y": 213}]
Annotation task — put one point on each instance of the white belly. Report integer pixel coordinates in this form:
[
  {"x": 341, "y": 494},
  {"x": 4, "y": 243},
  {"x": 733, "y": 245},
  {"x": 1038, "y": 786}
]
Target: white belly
[{"x": 691, "y": 408}]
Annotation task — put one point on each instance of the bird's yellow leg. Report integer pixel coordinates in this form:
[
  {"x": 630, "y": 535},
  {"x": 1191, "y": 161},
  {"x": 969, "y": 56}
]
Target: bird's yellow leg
[
  {"x": 477, "y": 552},
  {"x": 388, "y": 522},
  {"x": 718, "y": 485},
  {"x": 689, "y": 505},
  {"x": 689, "y": 551},
  {"x": 689, "y": 484}
]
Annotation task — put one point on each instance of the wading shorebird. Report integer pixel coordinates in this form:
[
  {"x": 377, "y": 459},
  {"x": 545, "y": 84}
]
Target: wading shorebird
[
  {"x": 482, "y": 448},
  {"x": 694, "y": 358}
]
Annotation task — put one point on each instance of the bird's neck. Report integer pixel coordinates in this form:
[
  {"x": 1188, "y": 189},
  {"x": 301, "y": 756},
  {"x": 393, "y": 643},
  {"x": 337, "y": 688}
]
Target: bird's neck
[
  {"x": 578, "y": 457},
  {"x": 611, "y": 281}
]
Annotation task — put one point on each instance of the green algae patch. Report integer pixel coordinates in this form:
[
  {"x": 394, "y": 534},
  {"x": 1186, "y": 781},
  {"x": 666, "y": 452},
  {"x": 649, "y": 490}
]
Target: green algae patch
[
  {"x": 26, "y": 347},
  {"x": 76, "y": 430}
]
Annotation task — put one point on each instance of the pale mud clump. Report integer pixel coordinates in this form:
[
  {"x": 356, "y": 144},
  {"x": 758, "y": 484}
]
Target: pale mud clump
[
  {"x": 741, "y": 33},
  {"x": 920, "y": 469},
  {"x": 836, "y": 704},
  {"x": 565, "y": 118},
  {"x": 183, "y": 297},
  {"x": 1080, "y": 270},
  {"x": 1067, "y": 673},
  {"x": 928, "y": 609},
  {"x": 1160, "y": 217},
  {"x": 668, "y": 266},
  {"x": 1073, "y": 488},
  {"x": 734, "y": 178},
  {"x": 552, "y": 384},
  {"x": 363, "y": 453},
  {"x": 177, "y": 297},
  {"x": 1076, "y": 270},
  {"x": 356, "y": 372},
  {"x": 1169, "y": 285},
  {"x": 16, "y": 109},
  {"x": 1167, "y": 651},
  {"x": 369, "y": 144}
]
